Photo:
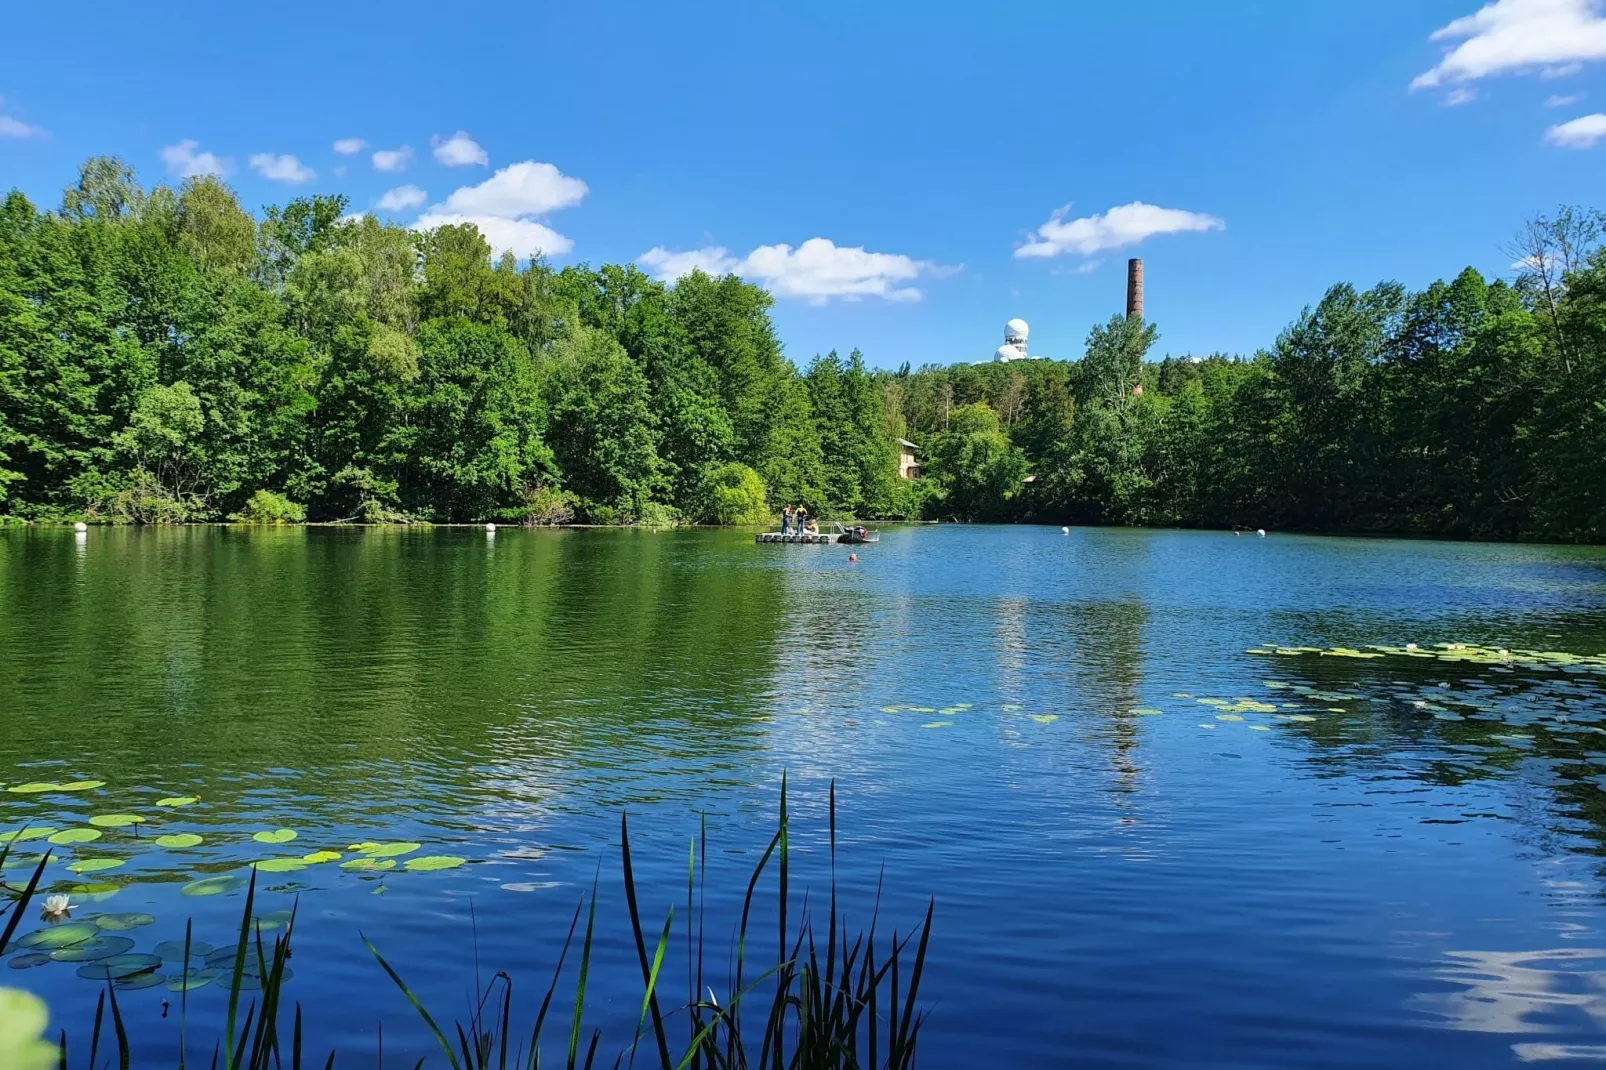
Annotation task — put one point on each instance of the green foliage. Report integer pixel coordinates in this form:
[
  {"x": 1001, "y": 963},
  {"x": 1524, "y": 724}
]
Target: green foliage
[
  {"x": 978, "y": 470},
  {"x": 734, "y": 494},
  {"x": 165, "y": 356},
  {"x": 267, "y": 507}
]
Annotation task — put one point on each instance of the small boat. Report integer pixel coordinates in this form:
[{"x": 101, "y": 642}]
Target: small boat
[{"x": 856, "y": 535}]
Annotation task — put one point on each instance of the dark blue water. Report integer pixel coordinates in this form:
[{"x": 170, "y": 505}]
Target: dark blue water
[{"x": 1336, "y": 861}]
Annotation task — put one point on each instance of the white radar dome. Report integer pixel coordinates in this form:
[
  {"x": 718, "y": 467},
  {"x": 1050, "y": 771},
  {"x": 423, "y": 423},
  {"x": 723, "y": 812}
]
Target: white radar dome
[{"x": 1015, "y": 329}]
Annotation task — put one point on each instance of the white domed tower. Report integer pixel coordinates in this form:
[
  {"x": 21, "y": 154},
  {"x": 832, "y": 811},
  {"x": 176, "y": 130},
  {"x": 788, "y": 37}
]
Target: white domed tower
[{"x": 1014, "y": 347}]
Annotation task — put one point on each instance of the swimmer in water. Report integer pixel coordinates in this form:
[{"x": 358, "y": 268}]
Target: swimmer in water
[{"x": 853, "y": 558}]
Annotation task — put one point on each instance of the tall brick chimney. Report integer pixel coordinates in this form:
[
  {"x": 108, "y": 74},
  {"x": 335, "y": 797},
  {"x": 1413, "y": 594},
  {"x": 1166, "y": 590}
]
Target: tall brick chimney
[{"x": 1134, "y": 288}]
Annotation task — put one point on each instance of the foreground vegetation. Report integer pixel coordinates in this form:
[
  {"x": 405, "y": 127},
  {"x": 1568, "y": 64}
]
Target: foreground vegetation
[
  {"x": 165, "y": 356},
  {"x": 848, "y": 1005}
]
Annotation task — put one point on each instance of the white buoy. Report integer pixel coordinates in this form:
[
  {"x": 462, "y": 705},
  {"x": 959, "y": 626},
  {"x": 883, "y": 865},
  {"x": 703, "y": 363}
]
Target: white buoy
[
  {"x": 1065, "y": 531},
  {"x": 80, "y": 527},
  {"x": 1261, "y": 532},
  {"x": 490, "y": 527}
]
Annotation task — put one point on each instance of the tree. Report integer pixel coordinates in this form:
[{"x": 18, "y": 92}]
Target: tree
[
  {"x": 977, "y": 468},
  {"x": 603, "y": 433}
]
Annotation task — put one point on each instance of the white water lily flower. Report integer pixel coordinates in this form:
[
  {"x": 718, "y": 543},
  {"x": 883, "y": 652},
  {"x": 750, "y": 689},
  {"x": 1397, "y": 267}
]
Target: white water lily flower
[{"x": 57, "y": 906}]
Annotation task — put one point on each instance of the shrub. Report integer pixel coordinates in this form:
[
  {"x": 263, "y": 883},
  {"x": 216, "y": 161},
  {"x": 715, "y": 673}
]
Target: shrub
[
  {"x": 266, "y": 507},
  {"x": 734, "y": 494},
  {"x": 141, "y": 499},
  {"x": 657, "y": 515},
  {"x": 544, "y": 505}
]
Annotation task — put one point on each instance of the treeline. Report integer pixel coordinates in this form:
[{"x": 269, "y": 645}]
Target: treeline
[
  {"x": 166, "y": 356},
  {"x": 1471, "y": 409}
]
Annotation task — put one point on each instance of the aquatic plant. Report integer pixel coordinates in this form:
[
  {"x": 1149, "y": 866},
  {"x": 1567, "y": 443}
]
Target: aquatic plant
[{"x": 849, "y": 1005}]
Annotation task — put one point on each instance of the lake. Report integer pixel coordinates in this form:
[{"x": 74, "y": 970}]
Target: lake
[{"x": 1147, "y": 845}]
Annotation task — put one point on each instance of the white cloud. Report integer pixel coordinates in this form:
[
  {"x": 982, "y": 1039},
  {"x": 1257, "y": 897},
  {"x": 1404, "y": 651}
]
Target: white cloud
[
  {"x": 1126, "y": 225},
  {"x": 350, "y": 146},
  {"x": 1559, "y": 101},
  {"x": 503, "y": 206},
  {"x": 520, "y": 189},
  {"x": 393, "y": 161},
  {"x": 521, "y": 237},
  {"x": 403, "y": 198},
  {"x": 281, "y": 167},
  {"x": 1460, "y": 95},
  {"x": 1580, "y": 133},
  {"x": 352, "y": 217},
  {"x": 817, "y": 270},
  {"x": 667, "y": 265},
  {"x": 16, "y": 128},
  {"x": 459, "y": 150},
  {"x": 1512, "y": 36},
  {"x": 182, "y": 160}
]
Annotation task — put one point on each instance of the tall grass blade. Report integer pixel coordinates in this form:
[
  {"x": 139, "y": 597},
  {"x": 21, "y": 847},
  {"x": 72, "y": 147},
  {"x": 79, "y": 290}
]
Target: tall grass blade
[
  {"x": 440, "y": 1037},
  {"x": 649, "y": 975},
  {"x": 585, "y": 969}
]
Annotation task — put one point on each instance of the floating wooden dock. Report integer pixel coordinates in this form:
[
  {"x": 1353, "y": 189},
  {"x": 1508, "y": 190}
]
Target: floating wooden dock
[{"x": 801, "y": 539}]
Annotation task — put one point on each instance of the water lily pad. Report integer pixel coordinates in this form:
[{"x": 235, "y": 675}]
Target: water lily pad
[
  {"x": 190, "y": 980},
  {"x": 276, "y": 836},
  {"x": 95, "y": 865},
  {"x": 433, "y": 863},
  {"x": 228, "y": 882},
  {"x": 367, "y": 865},
  {"x": 93, "y": 949},
  {"x": 63, "y": 935},
  {"x": 28, "y": 960},
  {"x": 386, "y": 850},
  {"x": 1260, "y": 728},
  {"x": 891, "y": 709},
  {"x": 119, "y": 966},
  {"x": 1011, "y": 707},
  {"x": 949, "y": 711},
  {"x": 116, "y": 821},
  {"x": 279, "y": 865},
  {"x": 179, "y": 839},
  {"x": 122, "y": 923},
  {"x": 173, "y": 950},
  {"x": 922, "y": 709},
  {"x": 272, "y": 920},
  {"x": 81, "y": 785},
  {"x": 68, "y": 836},
  {"x": 139, "y": 981},
  {"x": 322, "y": 856},
  {"x": 94, "y": 893},
  {"x": 1229, "y": 717},
  {"x": 1145, "y": 711},
  {"x": 1301, "y": 718},
  {"x": 937, "y": 724},
  {"x": 18, "y": 835},
  {"x": 37, "y": 788},
  {"x": 178, "y": 800},
  {"x": 1045, "y": 718}
]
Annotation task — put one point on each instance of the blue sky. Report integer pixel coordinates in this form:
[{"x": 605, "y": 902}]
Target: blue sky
[{"x": 1273, "y": 148}]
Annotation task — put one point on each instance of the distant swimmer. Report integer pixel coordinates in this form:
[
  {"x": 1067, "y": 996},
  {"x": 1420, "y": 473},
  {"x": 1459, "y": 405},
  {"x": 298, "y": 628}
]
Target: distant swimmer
[{"x": 853, "y": 559}]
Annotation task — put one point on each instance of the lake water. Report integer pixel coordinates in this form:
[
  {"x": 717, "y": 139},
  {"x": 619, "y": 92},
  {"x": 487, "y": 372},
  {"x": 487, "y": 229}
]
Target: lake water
[{"x": 1335, "y": 861}]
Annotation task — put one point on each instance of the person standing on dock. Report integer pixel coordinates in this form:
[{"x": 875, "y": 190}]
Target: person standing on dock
[
  {"x": 800, "y": 519},
  {"x": 786, "y": 520}
]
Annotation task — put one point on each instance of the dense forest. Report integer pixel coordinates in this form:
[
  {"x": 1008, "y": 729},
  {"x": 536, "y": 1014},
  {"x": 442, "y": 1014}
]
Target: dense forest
[{"x": 166, "y": 356}]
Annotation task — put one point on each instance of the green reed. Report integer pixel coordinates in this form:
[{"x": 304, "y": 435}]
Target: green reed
[{"x": 851, "y": 1005}]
